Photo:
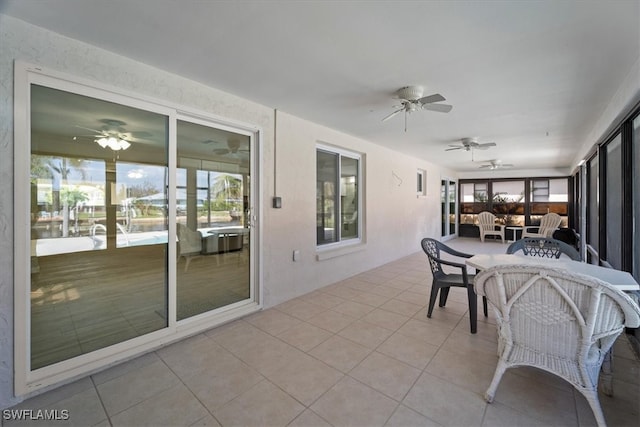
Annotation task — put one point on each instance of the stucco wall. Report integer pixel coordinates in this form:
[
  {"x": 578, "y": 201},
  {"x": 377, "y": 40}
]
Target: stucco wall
[{"x": 395, "y": 218}]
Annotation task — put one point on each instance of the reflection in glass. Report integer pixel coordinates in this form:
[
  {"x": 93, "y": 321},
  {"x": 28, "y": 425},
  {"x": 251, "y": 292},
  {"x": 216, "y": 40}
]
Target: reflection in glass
[
  {"x": 613, "y": 204},
  {"x": 212, "y": 202},
  {"x": 349, "y": 197},
  {"x": 86, "y": 293},
  {"x": 326, "y": 197},
  {"x": 452, "y": 208},
  {"x": 593, "y": 221},
  {"x": 636, "y": 198}
]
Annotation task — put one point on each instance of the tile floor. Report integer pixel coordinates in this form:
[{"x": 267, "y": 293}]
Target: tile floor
[{"x": 360, "y": 352}]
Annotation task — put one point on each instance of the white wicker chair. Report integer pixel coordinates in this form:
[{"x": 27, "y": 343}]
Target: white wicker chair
[
  {"x": 555, "y": 320},
  {"x": 487, "y": 225}
]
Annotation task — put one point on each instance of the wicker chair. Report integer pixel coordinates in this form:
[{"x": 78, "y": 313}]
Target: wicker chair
[
  {"x": 543, "y": 247},
  {"x": 443, "y": 281},
  {"x": 557, "y": 321},
  {"x": 487, "y": 225},
  {"x": 548, "y": 224}
]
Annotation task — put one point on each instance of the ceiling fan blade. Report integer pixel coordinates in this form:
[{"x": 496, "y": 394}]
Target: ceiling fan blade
[
  {"x": 392, "y": 114},
  {"x": 485, "y": 146},
  {"x": 92, "y": 130},
  {"x": 431, "y": 98},
  {"x": 454, "y": 148},
  {"x": 442, "y": 108},
  {"x": 486, "y": 166}
]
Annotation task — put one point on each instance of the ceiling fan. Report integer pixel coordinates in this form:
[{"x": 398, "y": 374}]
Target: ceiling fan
[
  {"x": 495, "y": 164},
  {"x": 469, "y": 144},
  {"x": 113, "y": 135},
  {"x": 234, "y": 147},
  {"x": 412, "y": 100}
]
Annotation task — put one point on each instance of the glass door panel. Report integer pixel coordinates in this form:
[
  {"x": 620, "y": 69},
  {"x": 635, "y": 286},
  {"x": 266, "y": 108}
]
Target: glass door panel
[
  {"x": 448, "y": 208},
  {"x": 212, "y": 218},
  {"x": 92, "y": 161},
  {"x": 452, "y": 208}
]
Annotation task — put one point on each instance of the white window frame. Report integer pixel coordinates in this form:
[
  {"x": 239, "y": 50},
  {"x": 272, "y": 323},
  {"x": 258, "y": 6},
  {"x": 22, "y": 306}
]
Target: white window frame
[
  {"x": 341, "y": 152},
  {"x": 28, "y": 381}
]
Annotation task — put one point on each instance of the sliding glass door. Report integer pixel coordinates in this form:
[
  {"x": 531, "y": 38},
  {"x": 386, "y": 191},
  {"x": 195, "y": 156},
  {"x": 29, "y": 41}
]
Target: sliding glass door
[{"x": 134, "y": 227}]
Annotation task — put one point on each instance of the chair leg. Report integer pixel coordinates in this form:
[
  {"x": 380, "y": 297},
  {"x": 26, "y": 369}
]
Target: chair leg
[
  {"x": 606, "y": 371},
  {"x": 473, "y": 309},
  {"x": 497, "y": 376},
  {"x": 594, "y": 403},
  {"x": 484, "y": 306},
  {"x": 432, "y": 299},
  {"x": 444, "y": 295}
]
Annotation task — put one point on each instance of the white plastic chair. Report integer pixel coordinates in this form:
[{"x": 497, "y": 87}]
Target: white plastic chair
[
  {"x": 487, "y": 225},
  {"x": 548, "y": 224},
  {"x": 555, "y": 320}
]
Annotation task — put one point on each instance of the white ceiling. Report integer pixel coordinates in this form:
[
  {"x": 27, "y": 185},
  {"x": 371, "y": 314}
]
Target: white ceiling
[{"x": 531, "y": 76}]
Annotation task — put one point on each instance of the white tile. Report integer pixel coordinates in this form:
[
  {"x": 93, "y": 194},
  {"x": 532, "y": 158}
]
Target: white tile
[
  {"x": 351, "y": 403},
  {"x": 262, "y": 405}
]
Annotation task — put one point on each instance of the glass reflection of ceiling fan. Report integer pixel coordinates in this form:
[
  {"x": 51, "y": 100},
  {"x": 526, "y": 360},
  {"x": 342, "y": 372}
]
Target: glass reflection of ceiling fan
[
  {"x": 113, "y": 135},
  {"x": 234, "y": 148}
]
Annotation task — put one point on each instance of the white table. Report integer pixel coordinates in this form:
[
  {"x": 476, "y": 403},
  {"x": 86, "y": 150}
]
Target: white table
[
  {"x": 514, "y": 230},
  {"x": 620, "y": 279}
]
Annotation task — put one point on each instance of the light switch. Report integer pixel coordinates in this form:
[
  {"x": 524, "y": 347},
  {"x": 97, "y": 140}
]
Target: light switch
[{"x": 296, "y": 255}]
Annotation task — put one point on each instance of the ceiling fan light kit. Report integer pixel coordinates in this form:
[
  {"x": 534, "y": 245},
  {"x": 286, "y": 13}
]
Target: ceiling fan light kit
[
  {"x": 115, "y": 144},
  {"x": 112, "y": 135}
]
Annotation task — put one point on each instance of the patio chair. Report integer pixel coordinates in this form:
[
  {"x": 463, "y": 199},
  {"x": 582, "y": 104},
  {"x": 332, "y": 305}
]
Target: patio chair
[
  {"x": 548, "y": 224},
  {"x": 488, "y": 227},
  {"x": 557, "y": 321},
  {"x": 443, "y": 281},
  {"x": 189, "y": 244},
  {"x": 542, "y": 247}
]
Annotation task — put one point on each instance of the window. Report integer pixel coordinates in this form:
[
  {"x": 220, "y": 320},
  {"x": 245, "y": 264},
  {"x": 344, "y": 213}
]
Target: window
[
  {"x": 473, "y": 197},
  {"x": 338, "y": 197},
  {"x": 421, "y": 183},
  {"x": 540, "y": 190},
  {"x": 508, "y": 202}
]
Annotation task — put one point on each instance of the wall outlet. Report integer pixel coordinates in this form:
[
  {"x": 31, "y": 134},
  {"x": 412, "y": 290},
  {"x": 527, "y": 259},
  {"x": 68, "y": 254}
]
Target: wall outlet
[{"x": 296, "y": 255}]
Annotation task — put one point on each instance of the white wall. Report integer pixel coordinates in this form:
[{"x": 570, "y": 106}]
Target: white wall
[{"x": 395, "y": 218}]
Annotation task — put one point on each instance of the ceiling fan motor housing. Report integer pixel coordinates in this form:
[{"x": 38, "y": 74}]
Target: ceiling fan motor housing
[{"x": 410, "y": 93}]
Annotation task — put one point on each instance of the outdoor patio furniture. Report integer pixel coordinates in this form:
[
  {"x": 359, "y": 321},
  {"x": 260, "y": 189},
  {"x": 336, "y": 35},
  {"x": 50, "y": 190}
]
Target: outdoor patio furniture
[
  {"x": 557, "y": 321},
  {"x": 488, "y": 227},
  {"x": 189, "y": 244},
  {"x": 548, "y": 224},
  {"x": 543, "y": 247},
  {"x": 443, "y": 281}
]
